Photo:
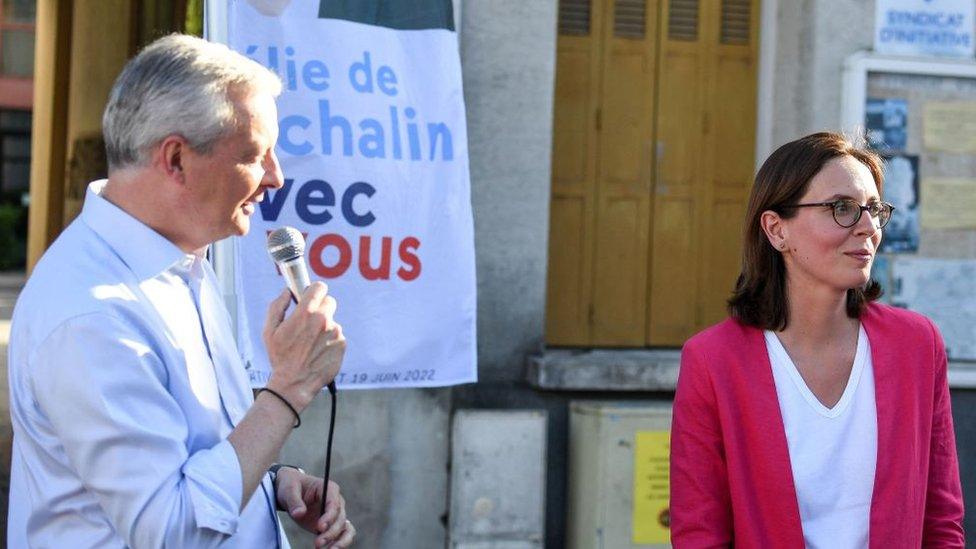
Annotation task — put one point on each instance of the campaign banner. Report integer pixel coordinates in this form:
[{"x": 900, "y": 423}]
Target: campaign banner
[
  {"x": 373, "y": 145},
  {"x": 924, "y": 27}
]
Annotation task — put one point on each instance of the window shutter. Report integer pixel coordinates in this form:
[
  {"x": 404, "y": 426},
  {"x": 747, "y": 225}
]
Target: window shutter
[
  {"x": 736, "y": 15},
  {"x": 683, "y": 20},
  {"x": 574, "y": 17},
  {"x": 629, "y": 18}
]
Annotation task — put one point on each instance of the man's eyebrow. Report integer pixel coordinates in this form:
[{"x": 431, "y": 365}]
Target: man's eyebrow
[{"x": 251, "y": 151}]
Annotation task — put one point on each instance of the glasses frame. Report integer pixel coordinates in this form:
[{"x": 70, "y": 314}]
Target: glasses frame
[{"x": 860, "y": 210}]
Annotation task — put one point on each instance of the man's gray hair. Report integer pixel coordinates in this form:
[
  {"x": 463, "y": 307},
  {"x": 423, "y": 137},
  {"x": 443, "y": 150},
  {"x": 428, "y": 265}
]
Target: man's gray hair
[{"x": 178, "y": 85}]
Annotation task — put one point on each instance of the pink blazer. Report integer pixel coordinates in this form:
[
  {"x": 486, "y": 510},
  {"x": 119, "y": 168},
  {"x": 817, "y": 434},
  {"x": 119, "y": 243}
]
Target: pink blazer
[{"x": 731, "y": 479}]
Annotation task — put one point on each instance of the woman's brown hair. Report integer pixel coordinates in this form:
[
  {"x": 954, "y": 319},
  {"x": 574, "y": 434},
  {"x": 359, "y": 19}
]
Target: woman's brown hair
[{"x": 760, "y": 298}]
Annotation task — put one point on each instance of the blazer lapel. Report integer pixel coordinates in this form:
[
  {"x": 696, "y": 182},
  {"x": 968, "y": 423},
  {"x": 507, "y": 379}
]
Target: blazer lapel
[
  {"x": 777, "y": 492},
  {"x": 892, "y": 426}
]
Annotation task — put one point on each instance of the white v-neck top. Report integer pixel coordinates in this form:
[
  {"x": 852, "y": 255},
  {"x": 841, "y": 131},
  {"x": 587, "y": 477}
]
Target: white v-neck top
[{"x": 833, "y": 451}]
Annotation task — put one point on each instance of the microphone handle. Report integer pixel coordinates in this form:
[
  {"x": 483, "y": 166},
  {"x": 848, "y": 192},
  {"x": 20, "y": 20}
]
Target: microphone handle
[{"x": 296, "y": 276}]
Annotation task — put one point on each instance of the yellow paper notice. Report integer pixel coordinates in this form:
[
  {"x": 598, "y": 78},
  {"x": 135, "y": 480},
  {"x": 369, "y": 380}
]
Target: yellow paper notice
[
  {"x": 948, "y": 203},
  {"x": 950, "y": 126},
  {"x": 652, "y": 488}
]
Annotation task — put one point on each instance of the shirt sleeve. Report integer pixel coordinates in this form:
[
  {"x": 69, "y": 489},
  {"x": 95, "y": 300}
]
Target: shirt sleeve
[
  {"x": 701, "y": 508},
  {"x": 104, "y": 390},
  {"x": 943, "y": 498}
]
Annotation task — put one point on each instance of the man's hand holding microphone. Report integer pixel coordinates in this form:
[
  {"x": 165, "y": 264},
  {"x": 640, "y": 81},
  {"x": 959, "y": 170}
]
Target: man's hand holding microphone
[{"x": 305, "y": 348}]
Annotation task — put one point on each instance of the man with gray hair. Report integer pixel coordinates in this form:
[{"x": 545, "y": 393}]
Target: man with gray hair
[{"x": 134, "y": 424}]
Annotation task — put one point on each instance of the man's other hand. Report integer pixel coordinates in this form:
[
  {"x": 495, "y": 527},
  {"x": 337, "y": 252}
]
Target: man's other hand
[{"x": 301, "y": 496}]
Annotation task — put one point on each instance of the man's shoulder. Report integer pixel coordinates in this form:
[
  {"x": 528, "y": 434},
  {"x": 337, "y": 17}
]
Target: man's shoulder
[{"x": 78, "y": 275}]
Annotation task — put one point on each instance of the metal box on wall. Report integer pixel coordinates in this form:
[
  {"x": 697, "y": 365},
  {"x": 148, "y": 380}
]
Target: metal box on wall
[
  {"x": 618, "y": 475},
  {"x": 498, "y": 475}
]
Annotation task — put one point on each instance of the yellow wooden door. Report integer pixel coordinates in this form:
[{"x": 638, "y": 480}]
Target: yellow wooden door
[
  {"x": 652, "y": 159},
  {"x": 729, "y": 143},
  {"x": 705, "y": 143},
  {"x": 678, "y": 185},
  {"x": 574, "y": 166},
  {"x": 602, "y": 172},
  {"x": 624, "y": 173}
]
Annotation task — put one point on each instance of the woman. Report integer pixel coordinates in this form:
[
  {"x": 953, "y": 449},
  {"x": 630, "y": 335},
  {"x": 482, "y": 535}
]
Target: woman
[{"x": 814, "y": 416}]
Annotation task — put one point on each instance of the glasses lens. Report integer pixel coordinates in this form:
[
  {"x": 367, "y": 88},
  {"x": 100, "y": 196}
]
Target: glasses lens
[
  {"x": 846, "y": 212},
  {"x": 884, "y": 214}
]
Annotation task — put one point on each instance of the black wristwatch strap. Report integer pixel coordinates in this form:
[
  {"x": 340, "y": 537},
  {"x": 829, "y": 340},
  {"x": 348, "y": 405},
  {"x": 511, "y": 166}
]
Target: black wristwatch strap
[{"x": 273, "y": 471}]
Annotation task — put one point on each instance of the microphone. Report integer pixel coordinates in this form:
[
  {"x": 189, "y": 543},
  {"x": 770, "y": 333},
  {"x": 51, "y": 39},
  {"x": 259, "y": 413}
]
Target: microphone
[{"x": 286, "y": 246}]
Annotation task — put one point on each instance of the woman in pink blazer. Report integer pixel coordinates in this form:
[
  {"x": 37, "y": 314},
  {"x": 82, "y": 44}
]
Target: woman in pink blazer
[{"x": 814, "y": 416}]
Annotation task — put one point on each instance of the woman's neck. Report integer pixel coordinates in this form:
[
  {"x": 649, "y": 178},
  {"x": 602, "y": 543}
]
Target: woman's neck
[{"x": 817, "y": 315}]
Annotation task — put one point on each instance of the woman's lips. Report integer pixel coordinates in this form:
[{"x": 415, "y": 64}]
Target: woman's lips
[{"x": 860, "y": 255}]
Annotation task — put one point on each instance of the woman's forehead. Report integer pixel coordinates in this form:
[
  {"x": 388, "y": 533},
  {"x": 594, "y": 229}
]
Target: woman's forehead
[{"x": 843, "y": 176}]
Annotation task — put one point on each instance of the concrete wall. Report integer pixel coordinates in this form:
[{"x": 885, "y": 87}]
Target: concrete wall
[
  {"x": 813, "y": 37},
  {"x": 508, "y": 53},
  {"x": 390, "y": 458}
]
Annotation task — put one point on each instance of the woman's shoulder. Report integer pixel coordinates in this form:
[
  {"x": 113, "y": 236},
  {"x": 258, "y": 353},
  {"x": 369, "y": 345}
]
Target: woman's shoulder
[
  {"x": 728, "y": 335},
  {"x": 896, "y": 321}
]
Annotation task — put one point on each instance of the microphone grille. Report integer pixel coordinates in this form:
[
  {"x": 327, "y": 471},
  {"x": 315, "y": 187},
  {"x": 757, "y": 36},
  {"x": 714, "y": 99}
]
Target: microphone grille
[{"x": 286, "y": 243}]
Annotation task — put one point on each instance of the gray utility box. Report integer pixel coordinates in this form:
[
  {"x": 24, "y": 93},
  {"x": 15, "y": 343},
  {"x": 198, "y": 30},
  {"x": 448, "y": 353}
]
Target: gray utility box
[
  {"x": 618, "y": 474},
  {"x": 498, "y": 475}
]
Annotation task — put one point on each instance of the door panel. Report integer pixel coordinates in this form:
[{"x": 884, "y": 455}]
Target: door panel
[
  {"x": 568, "y": 217},
  {"x": 571, "y": 125},
  {"x": 729, "y": 145},
  {"x": 673, "y": 299},
  {"x": 673, "y": 311},
  {"x": 574, "y": 165}
]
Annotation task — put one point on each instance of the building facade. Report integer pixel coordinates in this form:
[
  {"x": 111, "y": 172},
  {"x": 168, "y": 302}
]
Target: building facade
[{"x": 612, "y": 145}]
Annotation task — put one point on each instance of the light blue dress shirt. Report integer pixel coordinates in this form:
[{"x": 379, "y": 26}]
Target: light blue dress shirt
[{"x": 124, "y": 385}]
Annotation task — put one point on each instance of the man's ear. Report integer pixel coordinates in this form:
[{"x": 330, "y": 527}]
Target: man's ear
[
  {"x": 775, "y": 230},
  {"x": 169, "y": 156}
]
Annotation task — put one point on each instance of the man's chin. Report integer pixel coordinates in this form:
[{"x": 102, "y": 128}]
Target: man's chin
[{"x": 241, "y": 225}]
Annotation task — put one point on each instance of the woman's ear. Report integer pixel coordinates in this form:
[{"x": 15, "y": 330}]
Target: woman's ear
[{"x": 775, "y": 230}]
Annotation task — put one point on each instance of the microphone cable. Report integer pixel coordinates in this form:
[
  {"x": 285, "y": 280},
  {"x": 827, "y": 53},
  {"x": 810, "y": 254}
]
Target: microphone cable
[
  {"x": 333, "y": 394},
  {"x": 328, "y": 447}
]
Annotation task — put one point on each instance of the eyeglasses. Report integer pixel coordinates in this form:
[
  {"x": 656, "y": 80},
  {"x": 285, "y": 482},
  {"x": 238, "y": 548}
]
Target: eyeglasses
[{"x": 847, "y": 212}]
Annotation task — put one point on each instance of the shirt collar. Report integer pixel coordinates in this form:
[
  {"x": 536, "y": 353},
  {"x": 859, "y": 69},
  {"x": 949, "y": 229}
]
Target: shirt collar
[{"x": 146, "y": 252}]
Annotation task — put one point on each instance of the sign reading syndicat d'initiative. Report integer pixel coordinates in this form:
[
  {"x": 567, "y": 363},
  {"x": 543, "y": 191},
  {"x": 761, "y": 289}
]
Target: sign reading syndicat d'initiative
[
  {"x": 925, "y": 28},
  {"x": 373, "y": 145}
]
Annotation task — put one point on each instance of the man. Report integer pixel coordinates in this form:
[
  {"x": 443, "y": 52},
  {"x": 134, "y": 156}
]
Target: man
[{"x": 134, "y": 425}]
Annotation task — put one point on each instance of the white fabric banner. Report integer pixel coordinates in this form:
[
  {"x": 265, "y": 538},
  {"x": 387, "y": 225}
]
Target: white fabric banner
[{"x": 373, "y": 146}]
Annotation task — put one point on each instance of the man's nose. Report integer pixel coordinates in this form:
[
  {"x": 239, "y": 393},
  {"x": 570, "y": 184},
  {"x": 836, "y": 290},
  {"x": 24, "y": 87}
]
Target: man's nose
[{"x": 273, "y": 176}]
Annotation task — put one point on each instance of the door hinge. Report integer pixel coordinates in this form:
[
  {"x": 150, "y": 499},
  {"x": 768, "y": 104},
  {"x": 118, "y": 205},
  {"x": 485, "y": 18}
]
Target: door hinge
[{"x": 599, "y": 119}]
